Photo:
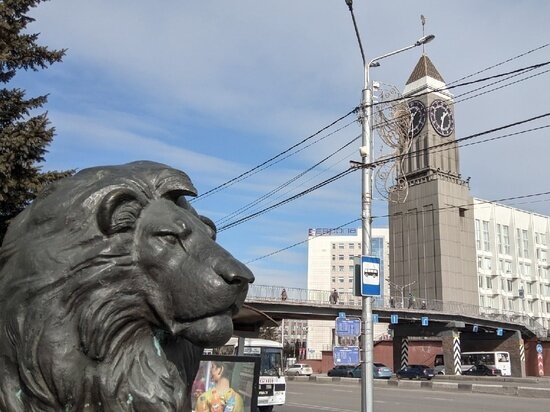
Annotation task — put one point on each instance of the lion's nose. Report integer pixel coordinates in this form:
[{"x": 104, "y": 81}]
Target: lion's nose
[{"x": 233, "y": 271}]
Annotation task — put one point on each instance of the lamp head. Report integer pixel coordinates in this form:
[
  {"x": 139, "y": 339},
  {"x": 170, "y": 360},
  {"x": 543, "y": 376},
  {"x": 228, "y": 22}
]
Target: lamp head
[
  {"x": 349, "y": 3},
  {"x": 424, "y": 40}
]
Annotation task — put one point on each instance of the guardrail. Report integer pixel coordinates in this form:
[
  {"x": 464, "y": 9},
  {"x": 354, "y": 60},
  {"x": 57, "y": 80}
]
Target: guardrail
[{"x": 313, "y": 296}]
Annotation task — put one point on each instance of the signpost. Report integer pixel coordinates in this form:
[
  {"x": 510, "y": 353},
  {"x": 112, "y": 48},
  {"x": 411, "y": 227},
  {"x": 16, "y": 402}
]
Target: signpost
[
  {"x": 500, "y": 332},
  {"x": 346, "y": 355},
  {"x": 370, "y": 276},
  {"x": 394, "y": 319},
  {"x": 346, "y": 328},
  {"x": 425, "y": 321}
]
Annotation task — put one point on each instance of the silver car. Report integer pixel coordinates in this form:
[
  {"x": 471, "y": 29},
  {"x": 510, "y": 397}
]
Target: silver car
[{"x": 299, "y": 369}]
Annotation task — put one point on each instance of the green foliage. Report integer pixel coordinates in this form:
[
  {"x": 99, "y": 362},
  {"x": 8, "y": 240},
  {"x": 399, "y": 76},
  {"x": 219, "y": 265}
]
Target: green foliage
[{"x": 24, "y": 135}]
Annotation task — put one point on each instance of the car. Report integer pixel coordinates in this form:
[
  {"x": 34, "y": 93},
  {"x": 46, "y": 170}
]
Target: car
[
  {"x": 350, "y": 371},
  {"x": 482, "y": 370},
  {"x": 299, "y": 369},
  {"x": 439, "y": 370},
  {"x": 415, "y": 372},
  {"x": 381, "y": 371}
]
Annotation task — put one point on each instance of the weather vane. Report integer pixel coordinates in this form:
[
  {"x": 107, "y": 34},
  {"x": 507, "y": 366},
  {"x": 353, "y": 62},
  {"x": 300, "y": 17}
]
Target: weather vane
[{"x": 423, "y": 20}]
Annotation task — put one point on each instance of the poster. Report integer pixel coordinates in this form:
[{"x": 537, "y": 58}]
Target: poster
[{"x": 226, "y": 384}]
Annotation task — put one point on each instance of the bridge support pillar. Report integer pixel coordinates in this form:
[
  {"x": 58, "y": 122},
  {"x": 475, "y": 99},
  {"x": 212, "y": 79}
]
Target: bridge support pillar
[
  {"x": 400, "y": 352},
  {"x": 450, "y": 344},
  {"x": 514, "y": 344}
]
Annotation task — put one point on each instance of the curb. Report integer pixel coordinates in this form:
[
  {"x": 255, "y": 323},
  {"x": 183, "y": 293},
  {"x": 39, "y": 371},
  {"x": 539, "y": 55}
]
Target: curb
[{"x": 487, "y": 388}]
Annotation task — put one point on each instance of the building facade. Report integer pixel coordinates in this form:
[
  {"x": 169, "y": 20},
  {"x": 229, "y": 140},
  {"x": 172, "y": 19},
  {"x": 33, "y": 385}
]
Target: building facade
[
  {"x": 331, "y": 263},
  {"x": 512, "y": 260}
]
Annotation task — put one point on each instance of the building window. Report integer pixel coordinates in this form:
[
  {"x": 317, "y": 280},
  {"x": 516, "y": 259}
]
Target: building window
[
  {"x": 525, "y": 237},
  {"x": 340, "y": 257},
  {"x": 333, "y": 257},
  {"x": 486, "y": 245},
  {"x": 340, "y": 268},
  {"x": 333, "y": 268},
  {"x": 351, "y": 245},
  {"x": 341, "y": 279},
  {"x": 500, "y": 245},
  {"x": 541, "y": 254},
  {"x": 489, "y": 283},
  {"x": 333, "y": 246},
  {"x": 478, "y": 234},
  {"x": 480, "y": 281},
  {"x": 510, "y": 285},
  {"x": 506, "y": 239},
  {"x": 487, "y": 263},
  {"x": 350, "y": 257},
  {"x": 340, "y": 246},
  {"x": 350, "y": 280},
  {"x": 530, "y": 288},
  {"x": 333, "y": 279},
  {"x": 479, "y": 262}
]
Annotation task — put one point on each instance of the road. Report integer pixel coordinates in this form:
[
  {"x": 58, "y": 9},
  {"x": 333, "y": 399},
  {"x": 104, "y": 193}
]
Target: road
[{"x": 307, "y": 397}]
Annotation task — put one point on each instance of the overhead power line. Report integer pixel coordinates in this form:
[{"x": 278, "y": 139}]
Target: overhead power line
[
  {"x": 506, "y": 199},
  {"x": 248, "y": 172},
  {"x": 372, "y": 165}
]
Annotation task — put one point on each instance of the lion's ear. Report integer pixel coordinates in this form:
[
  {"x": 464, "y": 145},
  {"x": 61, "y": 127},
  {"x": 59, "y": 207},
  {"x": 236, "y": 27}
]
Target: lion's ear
[{"x": 118, "y": 211}]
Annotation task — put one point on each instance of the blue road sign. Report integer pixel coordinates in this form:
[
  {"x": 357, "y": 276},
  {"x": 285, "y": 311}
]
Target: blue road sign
[
  {"x": 500, "y": 332},
  {"x": 370, "y": 276},
  {"x": 475, "y": 328},
  {"x": 394, "y": 319},
  {"x": 348, "y": 327},
  {"x": 341, "y": 314},
  {"x": 374, "y": 318},
  {"x": 425, "y": 321},
  {"x": 539, "y": 348},
  {"x": 346, "y": 355}
]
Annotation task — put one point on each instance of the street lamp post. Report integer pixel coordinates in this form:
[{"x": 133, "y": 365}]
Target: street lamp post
[
  {"x": 401, "y": 289},
  {"x": 366, "y": 149}
]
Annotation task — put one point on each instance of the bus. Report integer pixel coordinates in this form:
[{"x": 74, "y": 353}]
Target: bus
[
  {"x": 272, "y": 384},
  {"x": 499, "y": 360}
]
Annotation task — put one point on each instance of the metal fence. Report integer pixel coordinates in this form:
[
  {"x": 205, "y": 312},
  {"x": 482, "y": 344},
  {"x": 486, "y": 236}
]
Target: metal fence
[{"x": 323, "y": 297}]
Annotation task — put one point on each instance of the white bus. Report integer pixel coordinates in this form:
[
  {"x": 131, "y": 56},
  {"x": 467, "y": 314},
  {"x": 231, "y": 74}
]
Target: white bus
[
  {"x": 272, "y": 385},
  {"x": 499, "y": 360}
]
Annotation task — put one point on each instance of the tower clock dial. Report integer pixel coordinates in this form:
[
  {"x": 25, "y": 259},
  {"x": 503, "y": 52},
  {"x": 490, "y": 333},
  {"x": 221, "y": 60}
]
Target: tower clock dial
[
  {"x": 418, "y": 115},
  {"x": 441, "y": 118}
]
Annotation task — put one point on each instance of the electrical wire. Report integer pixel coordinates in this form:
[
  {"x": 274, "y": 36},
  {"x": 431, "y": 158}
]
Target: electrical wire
[
  {"x": 372, "y": 165},
  {"x": 411, "y": 212},
  {"x": 248, "y": 172}
]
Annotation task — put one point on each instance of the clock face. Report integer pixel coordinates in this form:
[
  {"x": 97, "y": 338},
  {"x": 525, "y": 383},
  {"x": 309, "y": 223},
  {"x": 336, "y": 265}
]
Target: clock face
[
  {"x": 441, "y": 118},
  {"x": 418, "y": 115}
]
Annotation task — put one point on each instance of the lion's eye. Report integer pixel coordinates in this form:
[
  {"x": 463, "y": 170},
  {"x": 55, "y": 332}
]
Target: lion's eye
[{"x": 169, "y": 238}]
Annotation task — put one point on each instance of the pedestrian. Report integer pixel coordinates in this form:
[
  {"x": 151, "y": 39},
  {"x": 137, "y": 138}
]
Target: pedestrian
[
  {"x": 411, "y": 300},
  {"x": 423, "y": 305},
  {"x": 334, "y": 296},
  {"x": 392, "y": 302},
  {"x": 283, "y": 295}
]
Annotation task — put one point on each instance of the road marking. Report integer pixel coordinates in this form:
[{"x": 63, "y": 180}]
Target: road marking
[
  {"x": 343, "y": 390},
  {"x": 319, "y": 408}
]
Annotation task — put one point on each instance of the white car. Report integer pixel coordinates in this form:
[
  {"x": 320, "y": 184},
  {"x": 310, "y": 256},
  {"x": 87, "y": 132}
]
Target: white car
[{"x": 299, "y": 369}]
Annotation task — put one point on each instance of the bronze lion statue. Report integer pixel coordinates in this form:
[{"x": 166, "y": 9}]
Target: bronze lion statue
[{"x": 111, "y": 285}]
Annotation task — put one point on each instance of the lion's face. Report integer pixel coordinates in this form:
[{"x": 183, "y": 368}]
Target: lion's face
[{"x": 201, "y": 283}]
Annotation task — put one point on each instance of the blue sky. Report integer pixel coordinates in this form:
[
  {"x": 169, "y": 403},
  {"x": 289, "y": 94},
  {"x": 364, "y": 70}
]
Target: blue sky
[{"x": 215, "y": 88}]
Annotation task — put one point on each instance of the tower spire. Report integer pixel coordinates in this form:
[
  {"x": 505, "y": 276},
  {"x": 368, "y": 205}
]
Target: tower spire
[{"x": 423, "y": 20}]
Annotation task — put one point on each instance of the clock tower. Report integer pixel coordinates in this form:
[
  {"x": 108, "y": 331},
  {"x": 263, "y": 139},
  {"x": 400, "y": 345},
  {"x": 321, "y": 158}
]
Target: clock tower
[{"x": 432, "y": 230}]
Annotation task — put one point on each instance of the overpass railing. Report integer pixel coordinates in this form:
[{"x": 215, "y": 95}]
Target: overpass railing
[{"x": 323, "y": 297}]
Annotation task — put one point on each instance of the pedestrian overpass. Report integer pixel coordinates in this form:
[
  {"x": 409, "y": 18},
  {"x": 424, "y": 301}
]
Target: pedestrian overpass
[{"x": 457, "y": 324}]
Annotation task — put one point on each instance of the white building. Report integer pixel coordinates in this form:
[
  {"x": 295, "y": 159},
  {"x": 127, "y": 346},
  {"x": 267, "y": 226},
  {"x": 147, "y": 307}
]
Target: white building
[
  {"x": 512, "y": 260},
  {"x": 330, "y": 265}
]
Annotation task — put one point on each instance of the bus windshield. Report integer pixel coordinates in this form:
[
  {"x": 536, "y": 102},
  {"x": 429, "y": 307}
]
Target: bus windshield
[{"x": 270, "y": 361}]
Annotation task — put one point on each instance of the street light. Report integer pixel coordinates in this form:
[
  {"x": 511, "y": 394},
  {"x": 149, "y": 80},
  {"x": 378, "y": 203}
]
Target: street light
[
  {"x": 401, "y": 289},
  {"x": 365, "y": 151}
]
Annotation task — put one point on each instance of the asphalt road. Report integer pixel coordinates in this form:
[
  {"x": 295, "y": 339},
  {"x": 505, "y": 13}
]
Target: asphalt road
[{"x": 307, "y": 397}]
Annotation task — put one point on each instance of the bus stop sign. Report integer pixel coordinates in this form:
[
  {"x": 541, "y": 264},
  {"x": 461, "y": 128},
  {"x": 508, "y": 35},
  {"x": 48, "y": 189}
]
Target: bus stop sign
[
  {"x": 348, "y": 327},
  {"x": 370, "y": 276}
]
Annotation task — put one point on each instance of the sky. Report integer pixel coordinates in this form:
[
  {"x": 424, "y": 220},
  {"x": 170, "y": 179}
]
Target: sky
[{"x": 216, "y": 88}]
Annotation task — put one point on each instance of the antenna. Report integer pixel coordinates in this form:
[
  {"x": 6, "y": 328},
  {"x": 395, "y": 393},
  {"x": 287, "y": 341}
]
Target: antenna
[{"x": 423, "y": 20}]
